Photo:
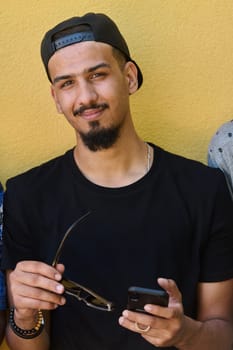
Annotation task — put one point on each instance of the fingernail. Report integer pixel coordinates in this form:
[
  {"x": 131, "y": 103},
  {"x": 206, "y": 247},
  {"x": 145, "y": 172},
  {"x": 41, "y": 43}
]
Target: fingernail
[
  {"x": 57, "y": 276},
  {"x": 63, "y": 301},
  {"x": 148, "y": 308},
  {"x": 121, "y": 320},
  {"x": 59, "y": 288},
  {"x": 125, "y": 313}
]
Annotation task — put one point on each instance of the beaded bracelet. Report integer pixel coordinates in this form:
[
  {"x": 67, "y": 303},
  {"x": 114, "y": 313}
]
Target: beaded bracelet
[{"x": 27, "y": 333}]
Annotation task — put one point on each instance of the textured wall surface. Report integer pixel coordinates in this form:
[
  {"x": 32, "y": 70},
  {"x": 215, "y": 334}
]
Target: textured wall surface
[{"x": 184, "y": 47}]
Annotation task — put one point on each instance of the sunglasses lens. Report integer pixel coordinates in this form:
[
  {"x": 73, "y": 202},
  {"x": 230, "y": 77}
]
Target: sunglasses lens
[
  {"x": 83, "y": 294},
  {"x": 70, "y": 285},
  {"x": 90, "y": 300}
]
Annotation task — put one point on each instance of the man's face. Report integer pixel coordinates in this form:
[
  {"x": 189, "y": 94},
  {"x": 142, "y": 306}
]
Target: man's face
[{"x": 92, "y": 91}]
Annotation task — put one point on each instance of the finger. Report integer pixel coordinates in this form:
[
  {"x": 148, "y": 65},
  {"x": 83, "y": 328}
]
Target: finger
[
  {"x": 152, "y": 335},
  {"x": 171, "y": 288},
  {"x": 144, "y": 326},
  {"x": 144, "y": 319},
  {"x": 60, "y": 268},
  {"x": 36, "y": 281},
  {"x": 25, "y": 291},
  {"x": 134, "y": 326},
  {"x": 39, "y": 267},
  {"x": 162, "y": 313},
  {"x": 130, "y": 317},
  {"x": 30, "y": 303},
  {"x": 157, "y": 333}
]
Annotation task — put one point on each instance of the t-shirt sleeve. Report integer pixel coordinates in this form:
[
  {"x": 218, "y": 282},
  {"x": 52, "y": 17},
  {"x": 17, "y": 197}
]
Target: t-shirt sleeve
[{"x": 17, "y": 236}]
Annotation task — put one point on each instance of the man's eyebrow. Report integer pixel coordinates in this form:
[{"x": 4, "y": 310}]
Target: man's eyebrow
[
  {"x": 61, "y": 77},
  {"x": 89, "y": 70},
  {"x": 100, "y": 65}
]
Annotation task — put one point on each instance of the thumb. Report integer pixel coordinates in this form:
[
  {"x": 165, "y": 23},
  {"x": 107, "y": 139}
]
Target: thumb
[{"x": 171, "y": 288}]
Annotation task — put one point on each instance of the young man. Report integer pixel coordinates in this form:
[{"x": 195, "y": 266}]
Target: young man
[{"x": 146, "y": 218}]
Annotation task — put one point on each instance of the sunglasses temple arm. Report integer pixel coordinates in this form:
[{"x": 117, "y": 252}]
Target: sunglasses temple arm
[{"x": 58, "y": 253}]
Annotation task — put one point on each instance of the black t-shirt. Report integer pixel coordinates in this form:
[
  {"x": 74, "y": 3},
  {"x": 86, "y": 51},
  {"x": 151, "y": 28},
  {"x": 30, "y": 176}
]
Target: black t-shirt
[{"x": 175, "y": 222}]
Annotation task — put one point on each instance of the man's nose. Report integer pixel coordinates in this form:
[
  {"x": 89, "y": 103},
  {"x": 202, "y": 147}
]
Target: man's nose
[{"x": 86, "y": 94}]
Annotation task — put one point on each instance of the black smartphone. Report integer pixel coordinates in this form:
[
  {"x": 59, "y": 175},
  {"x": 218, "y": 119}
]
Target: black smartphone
[{"x": 138, "y": 297}]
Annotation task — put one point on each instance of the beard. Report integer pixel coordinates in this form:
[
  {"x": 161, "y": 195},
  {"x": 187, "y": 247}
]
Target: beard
[{"x": 99, "y": 138}]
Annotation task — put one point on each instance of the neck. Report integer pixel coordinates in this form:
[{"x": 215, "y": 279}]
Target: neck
[{"x": 118, "y": 166}]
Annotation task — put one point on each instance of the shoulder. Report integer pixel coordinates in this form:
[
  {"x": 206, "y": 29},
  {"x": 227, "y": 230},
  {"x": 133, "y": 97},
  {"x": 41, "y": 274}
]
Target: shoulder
[
  {"x": 222, "y": 136},
  {"x": 190, "y": 175},
  {"x": 188, "y": 167},
  {"x": 39, "y": 177},
  {"x": 220, "y": 150}
]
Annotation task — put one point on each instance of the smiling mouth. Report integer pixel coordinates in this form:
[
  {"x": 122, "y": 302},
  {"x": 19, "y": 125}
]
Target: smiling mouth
[{"x": 90, "y": 111}]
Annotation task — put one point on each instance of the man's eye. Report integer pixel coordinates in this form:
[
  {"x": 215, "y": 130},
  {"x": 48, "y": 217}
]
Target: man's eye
[
  {"x": 97, "y": 75},
  {"x": 66, "y": 83}
]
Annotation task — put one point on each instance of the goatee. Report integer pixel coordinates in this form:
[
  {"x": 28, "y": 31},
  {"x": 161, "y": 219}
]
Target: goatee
[{"x": 99, "y": 138}]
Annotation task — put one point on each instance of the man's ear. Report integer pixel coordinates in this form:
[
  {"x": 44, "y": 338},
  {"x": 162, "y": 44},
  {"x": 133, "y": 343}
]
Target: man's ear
[
  {"x": 58, "y": 106},
  {"x": 132, "y": 76}
]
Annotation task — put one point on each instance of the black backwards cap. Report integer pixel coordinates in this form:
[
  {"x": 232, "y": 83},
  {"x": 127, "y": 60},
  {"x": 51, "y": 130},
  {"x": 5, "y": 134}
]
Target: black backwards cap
[{"x": 102, "y": 29}]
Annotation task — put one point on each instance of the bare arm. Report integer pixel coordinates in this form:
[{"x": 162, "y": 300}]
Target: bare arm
[
  {"x": 213, "y": 328},
  {"x": 215, "y": 313},
  {"x": 33, "y": 286},
  {"x": 16, "y": 343}
]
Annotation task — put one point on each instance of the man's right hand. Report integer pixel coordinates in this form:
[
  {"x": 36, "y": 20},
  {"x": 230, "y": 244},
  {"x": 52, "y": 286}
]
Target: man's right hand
[{"x": 34, "y": 285}]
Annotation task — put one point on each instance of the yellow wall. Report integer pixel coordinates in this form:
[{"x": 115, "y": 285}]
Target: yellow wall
[
  {"x": 4, "y": 346},
  {"x": 184, "y": 47}
]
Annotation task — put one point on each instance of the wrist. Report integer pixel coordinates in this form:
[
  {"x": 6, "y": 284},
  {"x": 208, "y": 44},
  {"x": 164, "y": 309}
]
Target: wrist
[
  {"x": 27, "y": 331},
  {"x": 25, "y": 318},
  {"x": 189, "y": 334}
]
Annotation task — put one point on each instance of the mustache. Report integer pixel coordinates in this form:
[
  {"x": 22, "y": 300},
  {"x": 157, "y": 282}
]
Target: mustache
[{"x": 82, "y": 109}]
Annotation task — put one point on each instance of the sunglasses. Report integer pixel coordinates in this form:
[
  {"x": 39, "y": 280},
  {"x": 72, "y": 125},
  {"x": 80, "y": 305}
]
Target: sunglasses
[{"x": 78, "y": 291}]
